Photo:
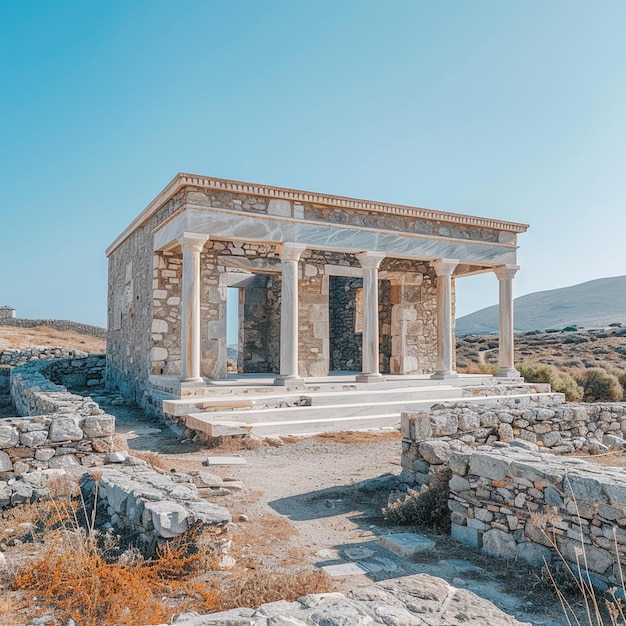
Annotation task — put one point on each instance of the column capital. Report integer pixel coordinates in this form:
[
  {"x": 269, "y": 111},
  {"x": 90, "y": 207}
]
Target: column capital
[
  {"x": 290, "y": 251},
  {"x": 505, "y": 272},
  {"x": 445, "y": 267},
  {"x": 370, "y": 260},
  {"x": 192, "y": 242}
]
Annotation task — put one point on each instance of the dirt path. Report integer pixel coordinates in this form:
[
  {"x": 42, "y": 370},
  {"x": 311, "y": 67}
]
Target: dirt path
[{"x": 313, "y": 503}]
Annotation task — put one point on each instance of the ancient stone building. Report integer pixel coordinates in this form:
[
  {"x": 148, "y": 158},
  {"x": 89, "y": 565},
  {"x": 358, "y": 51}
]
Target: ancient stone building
[
  {"x": 7, "y": 312},
  {"x": 325, "y": 283}
]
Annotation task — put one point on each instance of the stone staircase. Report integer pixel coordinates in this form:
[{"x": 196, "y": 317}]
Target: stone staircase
[{"x": 253, "y": 405}]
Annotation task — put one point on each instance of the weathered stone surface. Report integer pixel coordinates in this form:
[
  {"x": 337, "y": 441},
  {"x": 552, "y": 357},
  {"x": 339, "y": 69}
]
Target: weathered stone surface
[
  {"x": 406, "y": 544},
  {"x": 500, "y": 544},
  {"x": 99, "y": 426},
  {"x": 5, "y": 462},
  {"x": 65, "y": 428},
  {"x": 9, "y": 436},
  {"x": 34, "y": 438},
  {"x": 434, "y": 452},
  {"x": 418, "y": 600},
  {"x": 488, "y": 466}
]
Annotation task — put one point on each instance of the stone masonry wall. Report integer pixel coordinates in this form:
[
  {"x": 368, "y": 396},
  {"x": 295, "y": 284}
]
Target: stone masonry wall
[
  {"x": 345, "y": 342},
  {"x": 57, "y": 429},
  {"x": 517, "y": 503},
  {"x": 84, "y": 329},
  {"x": 516, "y": 498},
  {"x": 130, "y": 309},
  {"x": 561, "y": 428}
]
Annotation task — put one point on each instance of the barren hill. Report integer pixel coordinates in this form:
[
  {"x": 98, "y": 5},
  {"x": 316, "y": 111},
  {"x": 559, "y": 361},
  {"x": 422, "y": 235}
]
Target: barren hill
[
  {"x": 594, "y": 304},
  {"x": 15, "y": 337}
]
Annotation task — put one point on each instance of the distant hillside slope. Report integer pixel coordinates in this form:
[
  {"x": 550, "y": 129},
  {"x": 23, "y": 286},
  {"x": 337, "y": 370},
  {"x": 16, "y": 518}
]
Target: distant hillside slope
[{"x": 591, "y": 305}]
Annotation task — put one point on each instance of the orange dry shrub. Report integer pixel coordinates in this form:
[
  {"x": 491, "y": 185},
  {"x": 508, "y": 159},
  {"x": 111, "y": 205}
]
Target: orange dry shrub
[{"x": 76, "y": 580}]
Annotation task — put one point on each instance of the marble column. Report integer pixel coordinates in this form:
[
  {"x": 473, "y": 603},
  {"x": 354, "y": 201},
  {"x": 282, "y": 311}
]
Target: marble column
[
  {"x": 445, "y": 334},
  {"x": 370, "y": 261},
  {"x": 506, "y": 367},
  {"x": 289, "y": 255},
  {"x": 192, "y": 245}
]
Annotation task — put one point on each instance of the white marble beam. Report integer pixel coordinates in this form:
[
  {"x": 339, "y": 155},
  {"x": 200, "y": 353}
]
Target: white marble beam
[
  {"x": 506, "y": 367},
  {"x": 191, "y": 244},
  {"x": 289, "y": 256},
  {"x": 445, "y": 334},
  {"x": 370, "y": 262}
]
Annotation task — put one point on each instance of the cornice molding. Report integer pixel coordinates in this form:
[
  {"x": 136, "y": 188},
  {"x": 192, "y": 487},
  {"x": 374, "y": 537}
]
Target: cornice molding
[{"x": 182, "y": 180}]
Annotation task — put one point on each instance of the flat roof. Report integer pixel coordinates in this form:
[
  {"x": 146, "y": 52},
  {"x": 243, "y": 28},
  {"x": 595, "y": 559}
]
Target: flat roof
[{"x": 182, "y": 180}]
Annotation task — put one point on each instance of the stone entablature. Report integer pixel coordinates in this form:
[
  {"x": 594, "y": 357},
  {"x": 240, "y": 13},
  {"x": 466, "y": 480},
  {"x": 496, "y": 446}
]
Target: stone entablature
[{"x": 285, "y": 251}]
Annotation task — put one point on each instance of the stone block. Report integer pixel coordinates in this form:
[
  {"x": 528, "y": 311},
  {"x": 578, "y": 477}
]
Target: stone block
[
  {"x": 208, "y": 513},
  {"x": 468, "y": 421},
  {"x": 458, "y": 484},
  {"x": 500, "y": 544},
  {"x": 488, "y": 466},
  {"x": 66, "y": 460},
  {"x": 158, "y": 354},
  {"x": 34, "y": 438},
  {"x": 406, "y": 544},
  {"x": 5, "y": 462},
  {"x": 44, "y": 454},
  {"x": 466, "y": 535},
  {"x": 459, "y": 462},
  {"x": 65, "y": 428},
  {"x": 99, "y": 425},
  {"x": 434, "y": 451},
  {"x": 9, "y": 436},
  {"x": 159, "y": 326},
  {"x": 444, "y": 423},
  {"x": 584, "y": 489},
  {"x": 169, "y": 519}
]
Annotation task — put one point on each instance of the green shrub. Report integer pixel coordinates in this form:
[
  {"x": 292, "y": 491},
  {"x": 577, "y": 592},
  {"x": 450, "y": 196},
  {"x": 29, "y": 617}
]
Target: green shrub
[
  {"x": 601, "y": 386},
  {"x": 560, "y": 382}
]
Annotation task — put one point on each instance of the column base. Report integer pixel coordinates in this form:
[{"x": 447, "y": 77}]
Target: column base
[
  {"x": 375, "y": 377},
  {"x": 444, "y": 375},
  {"x": 288, "y": 381},
  {"x": 192, "y": 386},
  {"x": 507, "y": 372}
]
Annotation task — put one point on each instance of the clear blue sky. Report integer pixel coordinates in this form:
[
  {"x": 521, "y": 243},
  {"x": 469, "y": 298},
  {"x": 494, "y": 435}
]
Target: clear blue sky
[{"x": 514, "y": 110}]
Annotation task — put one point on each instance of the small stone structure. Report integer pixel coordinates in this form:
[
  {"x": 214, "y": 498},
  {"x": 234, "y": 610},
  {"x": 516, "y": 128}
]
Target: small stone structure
[
  {"x": 6, "y": 312},
  {"x": 325, "y": 283}
]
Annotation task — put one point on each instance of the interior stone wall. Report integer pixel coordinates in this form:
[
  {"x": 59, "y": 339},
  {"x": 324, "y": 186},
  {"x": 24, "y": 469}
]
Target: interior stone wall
[{"x": 346, "y": 345}]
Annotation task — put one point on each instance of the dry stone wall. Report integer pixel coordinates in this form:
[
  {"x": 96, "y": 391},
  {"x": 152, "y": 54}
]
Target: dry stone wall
[
  {"x": 519, "y": 503},
  {"x": 517, "y": 497},
  {"x": 13, "y": 357},
  {"x": 83, "y": 329},
  {"x": 57, "y": 429},
  {"x": 154, "y": 505}
]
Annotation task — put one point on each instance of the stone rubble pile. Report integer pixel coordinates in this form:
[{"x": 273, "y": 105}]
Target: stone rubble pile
[
  {"x": 155, "y": 505},
  {"x": 419, "y": 600}
]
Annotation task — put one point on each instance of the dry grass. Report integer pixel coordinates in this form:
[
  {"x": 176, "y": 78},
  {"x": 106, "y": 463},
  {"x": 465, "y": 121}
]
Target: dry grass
[
  {"x": 263, "y": 534},
  {"x": 233, "y": 444},
  {"x": 25, "y": 338},
  {"x": 358, "y": 436},
  {"x": 154, "y": 459}
]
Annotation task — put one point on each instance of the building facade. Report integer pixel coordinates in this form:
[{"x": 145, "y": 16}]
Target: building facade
[{"x": 324, "y": 283}]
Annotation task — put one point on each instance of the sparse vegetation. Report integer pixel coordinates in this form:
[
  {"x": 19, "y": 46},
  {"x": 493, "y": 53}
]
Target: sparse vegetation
[
  {"x": 601, "y": 386},
  {"x": 559, "y": 381},
  {"x": 426, "y": 507}
]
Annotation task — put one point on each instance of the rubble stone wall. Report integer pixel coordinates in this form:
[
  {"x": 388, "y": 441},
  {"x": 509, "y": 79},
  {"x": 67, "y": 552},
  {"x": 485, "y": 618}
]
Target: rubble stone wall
[
  {"x": 516, "y": 503},
  {"x": 84, "y": 329},
  {"x": 57, "y": 429},
  {"x": 154, "y": 505},
  {"x": 513, "y": 494},
  {"x": 561, "y": 428}
]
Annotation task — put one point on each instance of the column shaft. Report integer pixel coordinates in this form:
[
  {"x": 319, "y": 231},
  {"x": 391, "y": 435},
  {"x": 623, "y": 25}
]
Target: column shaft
[
  {"x": 445, "y": 334},
  {"x": 506, "y": 366},
  {"x": 289, "y": 256},
  {"x": 192, "y": 245},
  {"x": 370, "y": 261}
]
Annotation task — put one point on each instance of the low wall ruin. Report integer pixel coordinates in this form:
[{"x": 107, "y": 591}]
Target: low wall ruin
[
  {"x": 517, "y": 497},
  {"x": 57, "y": 429}
]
